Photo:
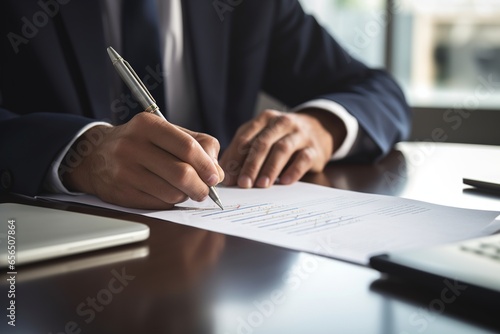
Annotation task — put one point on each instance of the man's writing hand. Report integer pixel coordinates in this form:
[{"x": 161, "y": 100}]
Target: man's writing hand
[
  {"x": 147, "y": 163},
  {"x": 285, "y": 145}
]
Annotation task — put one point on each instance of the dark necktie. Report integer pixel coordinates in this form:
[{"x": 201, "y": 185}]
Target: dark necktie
[{"x": 141, "y": 46}]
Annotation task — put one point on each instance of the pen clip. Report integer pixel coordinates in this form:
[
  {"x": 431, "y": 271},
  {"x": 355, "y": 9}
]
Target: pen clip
[{"x": 127, "y": 65}]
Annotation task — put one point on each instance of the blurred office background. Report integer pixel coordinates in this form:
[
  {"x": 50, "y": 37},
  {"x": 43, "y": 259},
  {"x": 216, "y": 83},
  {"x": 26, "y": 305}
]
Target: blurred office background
[{"x": 444, "y": 53}]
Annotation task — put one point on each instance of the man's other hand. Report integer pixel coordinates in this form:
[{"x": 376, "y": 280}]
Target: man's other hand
[{"x": 281, "y": 145}]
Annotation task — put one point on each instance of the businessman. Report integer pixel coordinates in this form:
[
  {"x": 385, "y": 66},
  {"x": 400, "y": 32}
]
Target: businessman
[{"x": 67, "y": 124}]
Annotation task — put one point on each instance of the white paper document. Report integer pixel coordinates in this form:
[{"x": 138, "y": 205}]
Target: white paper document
[{"x": 336, "y": 223}]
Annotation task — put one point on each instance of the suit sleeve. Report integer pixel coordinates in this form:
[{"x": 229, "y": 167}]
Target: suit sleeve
[
  {"x": 28, "y": 146},
  {"x": 306, "y": 63},
  {"x": 32, "y": 131}
]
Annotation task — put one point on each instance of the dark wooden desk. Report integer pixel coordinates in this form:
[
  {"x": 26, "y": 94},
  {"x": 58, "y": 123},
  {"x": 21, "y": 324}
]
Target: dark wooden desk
[{"x": 186, "y": 280}]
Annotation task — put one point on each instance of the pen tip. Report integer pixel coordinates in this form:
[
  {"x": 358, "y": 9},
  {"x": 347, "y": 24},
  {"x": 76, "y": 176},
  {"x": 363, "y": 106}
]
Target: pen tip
[
  {"x": 113, "y": 54},
  {"x": 215, "y": 197}
]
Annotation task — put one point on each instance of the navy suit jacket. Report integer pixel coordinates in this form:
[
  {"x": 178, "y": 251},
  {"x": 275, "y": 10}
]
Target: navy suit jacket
[{"x": 55, "y": 76}]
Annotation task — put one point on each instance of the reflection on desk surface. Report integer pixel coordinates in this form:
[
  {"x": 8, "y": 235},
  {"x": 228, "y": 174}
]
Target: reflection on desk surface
[
  {"x": 386, "y": 177},
  {"x": 194, "y": 281},
  {"x": 80, "y": 263}
]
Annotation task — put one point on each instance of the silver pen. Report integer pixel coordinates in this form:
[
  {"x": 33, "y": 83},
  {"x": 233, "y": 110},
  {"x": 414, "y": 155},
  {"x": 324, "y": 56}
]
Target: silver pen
[{"x": 145, "y": 99}]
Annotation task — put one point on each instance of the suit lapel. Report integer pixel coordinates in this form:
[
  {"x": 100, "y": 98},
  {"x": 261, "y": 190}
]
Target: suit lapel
[
  {"x": 89, "y": 49},
  {"x": 208, "y": 39}
]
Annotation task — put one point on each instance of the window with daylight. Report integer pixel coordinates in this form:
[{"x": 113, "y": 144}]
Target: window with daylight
[
  {"x": 445, "y": 54},
  {"x": 359, "y": 25},
  {"x": 448, "y": 51},
  {"x": 439, "y": 51}
]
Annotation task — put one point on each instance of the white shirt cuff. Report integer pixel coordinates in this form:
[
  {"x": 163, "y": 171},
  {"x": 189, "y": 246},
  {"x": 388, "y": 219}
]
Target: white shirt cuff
[
  {"x": 53, "y": 182},
  {"x": 350, "y": 122}
]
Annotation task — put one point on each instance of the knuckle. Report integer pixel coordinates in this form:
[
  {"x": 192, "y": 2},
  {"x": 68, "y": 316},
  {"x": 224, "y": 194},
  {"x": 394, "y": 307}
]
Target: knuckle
[
  {"x": 139, "y": 120},
  {"x": 186, "y": 175},
  {"x": 307, "y": 156},
  {"x": 244, "y": 128},
  {"x": 119, "y": 174},
  {"x": 189, "y": 145},
  {"x": 260, "y": 143},
  {"x": 283, "y": 146},
  {"x": 213, "y": 142},
  {"x": 243, "y": 148},
  {"x": 284, "y": 120},
  {"x": 268, "y": 113}
]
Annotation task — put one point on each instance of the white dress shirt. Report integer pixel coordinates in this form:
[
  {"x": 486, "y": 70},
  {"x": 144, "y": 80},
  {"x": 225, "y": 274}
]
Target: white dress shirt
[{"x": 181, "y": 101}]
